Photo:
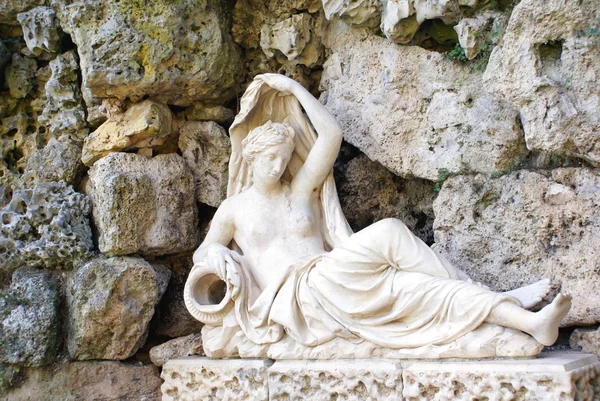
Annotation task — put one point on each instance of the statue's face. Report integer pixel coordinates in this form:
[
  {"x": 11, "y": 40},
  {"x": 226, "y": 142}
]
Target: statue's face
[{"x": 269, "y": 165}]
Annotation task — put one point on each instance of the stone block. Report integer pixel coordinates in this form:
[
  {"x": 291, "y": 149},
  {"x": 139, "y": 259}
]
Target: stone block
[
  {"x": 45, "y": 226},
  {"x": 509, "y": 231},
  {"x": 586, "y": 340},
  {"x": 197, "y": 378},
  {"x": 206, "y": 148},
  {"x": 143, "y": 205},
  {"x": 568, "y": 376},
  {"x": 29, "y": 319},
  {"x": 143, "y": 125},
  {"x": 413, "y": 110},
  {"x": 83, "y": 381},
  {"x": 552, "y": 376},
  {"x": 546, "y": 67},
  {"x": 110, "y": 305},
  {"x": 19, "y": 75},
  {"x": 40, "y": 31},
  {"x": 338, "y": 379},
  {"x": 176, "y": 52},
  {"x": 176, "y": 348}
]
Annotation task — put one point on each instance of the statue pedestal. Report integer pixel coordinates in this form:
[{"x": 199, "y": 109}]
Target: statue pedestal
[{"x": 552, "y": 376}]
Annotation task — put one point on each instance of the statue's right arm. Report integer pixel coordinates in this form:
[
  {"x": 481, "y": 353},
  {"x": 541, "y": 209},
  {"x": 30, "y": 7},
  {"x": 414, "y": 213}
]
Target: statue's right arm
[{"x": 214, "y": 250}]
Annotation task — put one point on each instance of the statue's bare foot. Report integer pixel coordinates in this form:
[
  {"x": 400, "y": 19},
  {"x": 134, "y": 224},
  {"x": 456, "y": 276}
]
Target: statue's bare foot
[
  {"x": 531, "y": 294},
  {"x": 546, "y": 322}
]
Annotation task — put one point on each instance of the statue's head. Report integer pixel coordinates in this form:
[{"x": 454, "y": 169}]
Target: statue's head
[{"x": 268, "y": 149}]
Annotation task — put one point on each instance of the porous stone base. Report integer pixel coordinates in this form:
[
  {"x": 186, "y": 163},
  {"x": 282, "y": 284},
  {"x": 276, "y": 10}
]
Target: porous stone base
[{"x": 552, "y": 376}]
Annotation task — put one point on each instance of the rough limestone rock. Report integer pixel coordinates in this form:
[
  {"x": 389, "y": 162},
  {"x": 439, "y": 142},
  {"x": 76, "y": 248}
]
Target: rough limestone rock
[
  {"x": 586, "y": 340},
  {"x": 177, "y": 348},
  {"x": 257, "y": 24},
  {"x": 413, "y": 110},
  {"x": 5, "y": 56},
  {"x": 547, "y": 67},
  {"x": 143, "y": 205},
  {"x": 9, "y": 9},
  {"x": 206, "y": 148},
  {"x": 369, "y": 192},
  {"x": 29, "y": 319},
  {"x": 143, "y": 125},
  {"x": 200, "y": 112},
  {"x": 98, "y": 380},
  {"x": 178, "y": 52},
  {"x": 63, "y": 111},
  {"x": 111, "y": 302},
  {"x": 293, "y": 40},
  {"x": 19, "y": 75},
  {"x": 40, "y": 31},
  {"x": 354, "y": 12},
  {"x": 59, "y": 160},
  {"x": 45, "y": 226},
  {"x": 398, "y": 20},
  {"x": 513, "y": 230},
  {"x": 172, "y": 318}
]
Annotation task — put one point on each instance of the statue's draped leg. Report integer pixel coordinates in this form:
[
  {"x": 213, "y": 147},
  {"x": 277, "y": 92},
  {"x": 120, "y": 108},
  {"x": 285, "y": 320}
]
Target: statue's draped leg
[{"x": 386, "y": 286}]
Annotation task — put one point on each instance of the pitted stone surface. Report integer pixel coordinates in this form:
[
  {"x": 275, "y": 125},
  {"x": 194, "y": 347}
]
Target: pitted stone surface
[
  {"x": 63, "y": 111},
  {"x": 509, "y": 231},
  {"x": 40, "y": 31},
  {"x": 83, "y": 381},
  {"x": 176, "y": 348},
  {"x": 206, "y": 379},
  {"x": 111, "y": 302},
  {"x": 59, "y": 160},
  {"x": 19, "y": 75},
  {"x": 413, "y": 110},
  {"x": 340, "y": 380},
  {"x": 143, "y": 205},
  {"x": 546, "y": 66},
  {"x": 29, "y": 319},
  {"x": 45, "y": 226},
  {"x": 550, "y": 377},
  {"x": 143, "y": 125},
  {"x": 188, "y": 56},
  {"x": 206, "y": 148}
]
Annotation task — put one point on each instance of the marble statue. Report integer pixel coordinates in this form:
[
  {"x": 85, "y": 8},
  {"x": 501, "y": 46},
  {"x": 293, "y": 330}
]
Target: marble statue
[{"x": 280, "y": 273}]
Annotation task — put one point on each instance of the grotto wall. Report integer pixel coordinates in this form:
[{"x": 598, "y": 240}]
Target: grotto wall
[{"x": 475, "y": 122}]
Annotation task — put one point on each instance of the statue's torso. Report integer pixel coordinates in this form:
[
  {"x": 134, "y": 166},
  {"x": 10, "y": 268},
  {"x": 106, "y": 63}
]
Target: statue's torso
[{"x": 275, "y": 232}]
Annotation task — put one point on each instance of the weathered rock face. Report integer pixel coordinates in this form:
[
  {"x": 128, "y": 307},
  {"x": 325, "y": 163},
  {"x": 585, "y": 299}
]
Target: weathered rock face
[
  {"x": 63, "y": 111},
  {"x": 45, "y": 226},
  {"x": 143, "y": 205},
  {"x": 206, "y": 148},
  {"x": 40, "y": 31},
  {"x": 586, "y": 340},
  {"x": 172, "y": 318},
  {"x": 177, "y": 348},
  {"x": 413, "y": 110},
  {"x": 510, "y": 231},
  {"x": 546, "y": 66},
  {"x": 284, "y": 37},
  {"x": 111, "y": 302},
  {"x": 29, "y": 319},
  {"x": 89, "y": 381},
  {"x": 368, "y": 193},
  {"x": 60, "y": 160},
  {"x": 10, "y": 8},
  {"x": 125, "y": 53},
  {"x": 19, "y": 76},
  {"x": 143, "y": 125}
]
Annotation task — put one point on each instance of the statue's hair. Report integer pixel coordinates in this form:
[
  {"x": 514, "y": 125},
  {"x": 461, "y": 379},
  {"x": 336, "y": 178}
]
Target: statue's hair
[{"x": 267, "y": 135}]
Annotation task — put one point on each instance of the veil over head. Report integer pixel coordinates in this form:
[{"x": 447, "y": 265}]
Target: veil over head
[{"x": 261, "y": 104}]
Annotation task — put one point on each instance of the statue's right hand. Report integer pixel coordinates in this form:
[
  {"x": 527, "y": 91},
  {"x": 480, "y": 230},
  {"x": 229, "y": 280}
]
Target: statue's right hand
[{"x": 225, "y": 263}]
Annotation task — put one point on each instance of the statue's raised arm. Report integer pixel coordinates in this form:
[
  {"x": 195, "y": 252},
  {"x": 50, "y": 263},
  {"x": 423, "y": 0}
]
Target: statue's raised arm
[{"x": 323, "y": 153}]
